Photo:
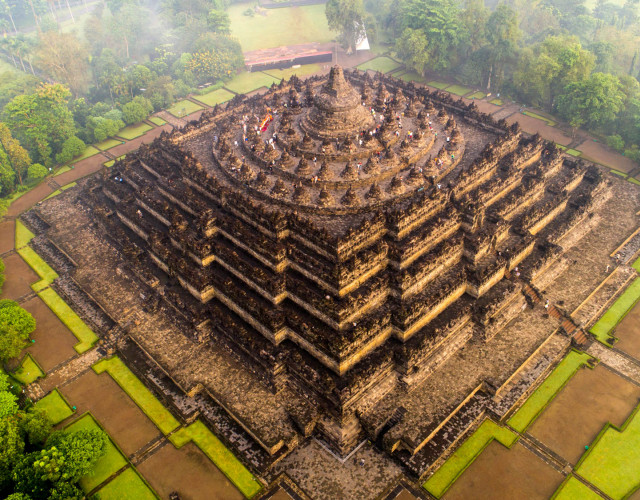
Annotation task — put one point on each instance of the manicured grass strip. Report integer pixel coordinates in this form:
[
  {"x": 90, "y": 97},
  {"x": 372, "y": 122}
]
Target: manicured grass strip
[
  {"x": 437, "y": 84},
  {"x": 573, "y": 489},
  {"x": 247, "y": 82},
  {"x": 108, "y": 144},
  {"x": 497, "y": 102},
  {"x": 79, "y": 328},
  {"x": 613, "y": 460},
  {"x": 303, "y": 70},
  {"x": 538, "y": 401},
  {"x": 62, "y": 170},
  {"x": 477, "y": 95},
  {"x": 458, "y": 90},
  {"x": 184, "y": 108},
  {"x": 382, "y": 64},
  {"x": 156, "y": 120},
  {"x": 633, "y": 181},
  {"x": 411, "y": 76},
  {"x": 464, "y": 456},
  {"x": 90, "y": 151},
  {"x": 135, "y": 130},
  {"x": 128, "y": 485},
  {"x": 560, "y": 146},
  {"x": 23, "y": 235},
  {"x": 39, "y": 266},
  {"x": 63, "y": 188},
  {"x": 573, "y": 152},
  {"x": 216, "y": 97},
  {"x": 603, "y": 327},
  {"x": 109, "y": 464},
  {"x": 136, "y": 390},
  {"x": 211, "y": 446},
  {"x": 549, "y": 122},
  {"x": 55, "y": 406},
  {"x": 109, "y": 163},
  {"x": 617, "y": 172},
  {"x": 28, "y": 371}
]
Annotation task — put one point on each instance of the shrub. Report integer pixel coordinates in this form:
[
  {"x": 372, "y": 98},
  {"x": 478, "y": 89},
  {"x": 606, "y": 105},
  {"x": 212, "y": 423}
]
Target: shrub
[{"x": 38, "y": 171}]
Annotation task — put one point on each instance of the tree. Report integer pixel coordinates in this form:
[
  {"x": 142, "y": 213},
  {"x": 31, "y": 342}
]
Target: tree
[
  {"x": 81, "y": 449},
  {"x": 593, "y": 102},
  {"x": 11, "y": 448},
  {"x": 412, "y": 49},
  {"x": 502, "y": 35},
  {"x": 218, "y": 21},
  {"x": 37, "y": 171},
  {"x": 71, "y": 148},
  {"x": 136, "y": 110},
  {"x": 8, "y": 401},
  {"x": 41, "y": 120},
  {"x": 65, "y": 58},
  {"x": 346, "y": 18},
  {"x": 1, "y": 273},
  {"x": 100, "y": 128},
  {"x": 16, "y": 155},
  {"x": 36, "y": 426},
  {"x": 15, "y": 326}
]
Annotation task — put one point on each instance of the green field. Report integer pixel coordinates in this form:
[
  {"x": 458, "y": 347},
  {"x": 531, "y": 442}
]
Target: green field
[
  {"x": 86, "y": 337},
  {"x": 246, "y": 82},
  {"x": 613, "y": 460},
  {"x": 23, "y": 235},
  {"x": 382, "y": 64},
  {"x": 497, "y": 102},
  {"x": 438, "y": 85},
  {"x": 128, "y": 485},
  {"x": 156, "y": 120},
  {"x": 458, "y": 90},
  {"x": 218, "y": 453},
  {"x": 411, "y": 76},
  {"x": 539, "y": 400},
  {"x": 42, "y": 269},
  {"x": 108, "y": 144},
  {"x": 477, "y": 95},
  {"x": 215, "y": 97},
  {"x": 55, "y": 406},
  {"x": 464, "y": 456},
  {"x": 573, "y": 489},
  {"x": 183, "y": 108},
  {"x": 277, "y": 27},
  {"x": 109, "y": 464},
  {"x": 28, "y": 371},
  {"x": 136, "y": 390},
  {"x": 548, "y": 121},
  {"x": 133, "y": 131},
  {"x": 573, "y": 152},
  {"x": 603, "y": 327},
  {"x": 88, "y": 152}
]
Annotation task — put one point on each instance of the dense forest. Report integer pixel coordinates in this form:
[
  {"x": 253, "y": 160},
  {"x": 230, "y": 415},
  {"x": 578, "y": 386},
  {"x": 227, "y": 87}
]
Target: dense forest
[{"x": 71, "y": 86}]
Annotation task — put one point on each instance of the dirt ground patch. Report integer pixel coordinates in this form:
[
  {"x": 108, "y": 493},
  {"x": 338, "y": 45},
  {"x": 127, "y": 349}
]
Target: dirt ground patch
[
  {"x": 576, "y": 415},
  {"x": 27, "y": 200},
  {"x": 628, "y": 331},
  {"x": 81, "y": 169},
  {"x": 53, "y": 341},
  {"x": 405, "y": 495},
  {"x": 534, "y": 125},
  {"x": 500, "y": 472},
  {"x": 118, "y": 414},
  {"x": 18, "y": 278},
  {"x": 600, "y": 153},
  {"x": 189, "y": 472},
  {"x": 7, "y": 235}
]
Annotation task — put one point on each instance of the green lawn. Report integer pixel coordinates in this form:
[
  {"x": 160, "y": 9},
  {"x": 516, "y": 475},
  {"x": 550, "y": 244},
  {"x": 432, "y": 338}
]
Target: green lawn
[
  {"x": 23, "y": 235},
  {"x": 438, "y": 85},
  {"x": 28, "y": 371},
  {"x": 285, "y": 26},
  {"x": 156, "y": 120},
  {"x": 62, "y": 170},
  {"x": 633, "y": 180},
  {"x": 411, "y": 76},
  {"x": 110, "y": 463},
  {"x": 613, "y": 460},
  {"x": 184, "y": 108},
  {"x": 573, "y": 489},
  {"x": 458, "y": 90},
  {"x": 136, "y": 390},
  {"x": 218, "y": 453},
  {"x": 382, "y": 64},
  {"x": 246, "y": 82},
  {"x": 573, "y": 152},
  {"x": 128, "y": 485},
  {"x": 86, "y": 337},
  {"x": 538, "y": 401},
  {"x": 618, "y": 173},
  {"x": 108, "y": 144},
  {"x": 303, "y": 70},
  {"x": 477, "y": 95},
  {"x": 548, "y": 121},
  {"x": 109, "y": 163},
  {"x": 135, "y": 130},
  {"x": 464, "y": 456},
  {"x": 603, "y": 327},
  {"x": 63, "y": 188},
  {"x": 89, "y": 151},
  {"x": 497, "y": 102},
  {"x": 215, "y": 97},
  {"x": 55, "y": 406},
  {"x": 42, "y": 269}
]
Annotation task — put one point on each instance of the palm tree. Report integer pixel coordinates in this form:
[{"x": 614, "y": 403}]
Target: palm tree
[
  {"x": 35, "y": 16},
  {"x": 4, "y": 6},
  {"x": 16, "y": 45},
  {"x": 70, "y": 13},
  {"x": 6, "y": 45}
]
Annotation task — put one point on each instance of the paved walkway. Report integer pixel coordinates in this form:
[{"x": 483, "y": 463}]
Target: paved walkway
[{"x": 621, "y": 363}]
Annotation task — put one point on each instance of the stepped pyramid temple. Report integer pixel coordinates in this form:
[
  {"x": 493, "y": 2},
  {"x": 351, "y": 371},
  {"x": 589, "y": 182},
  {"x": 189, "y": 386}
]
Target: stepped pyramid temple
[{"x": 336, "y": 259}]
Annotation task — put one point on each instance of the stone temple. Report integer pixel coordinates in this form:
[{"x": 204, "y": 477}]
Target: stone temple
[{"x": 319, "y": 261}]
